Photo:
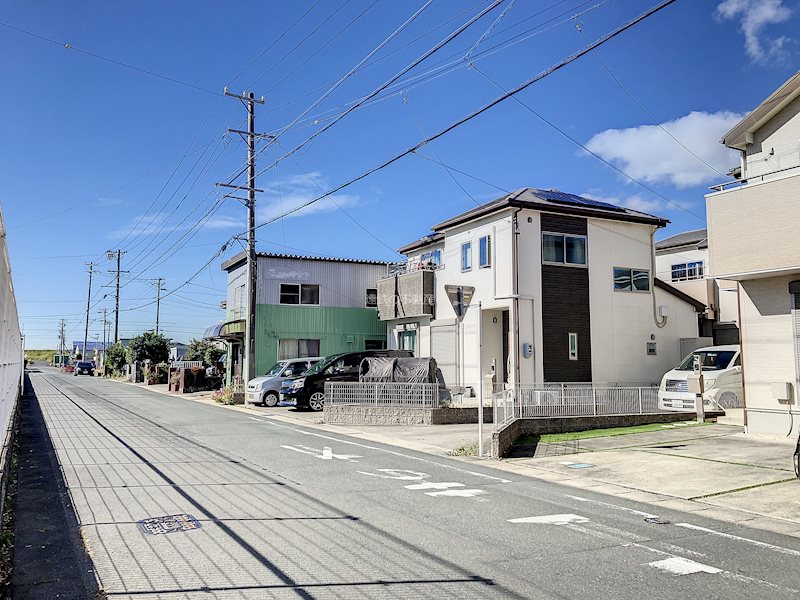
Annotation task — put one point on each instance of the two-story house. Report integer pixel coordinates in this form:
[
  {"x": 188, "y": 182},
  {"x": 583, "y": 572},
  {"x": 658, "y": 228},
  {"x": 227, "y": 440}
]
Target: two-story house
[
  {"x": 566, "y": 289},
  {"x": 305, "y": 306},
  {"x": 753, "y": 240},
  {"x": 683, "y": 261}
]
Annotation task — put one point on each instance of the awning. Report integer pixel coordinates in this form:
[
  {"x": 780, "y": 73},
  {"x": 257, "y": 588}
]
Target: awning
[{"x": 226, "y": 330}]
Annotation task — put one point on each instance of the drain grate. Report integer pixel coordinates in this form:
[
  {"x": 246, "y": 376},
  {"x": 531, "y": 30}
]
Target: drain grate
[
  {"x": 168, "y": 524},
  {"x": 656, "y": 521}
]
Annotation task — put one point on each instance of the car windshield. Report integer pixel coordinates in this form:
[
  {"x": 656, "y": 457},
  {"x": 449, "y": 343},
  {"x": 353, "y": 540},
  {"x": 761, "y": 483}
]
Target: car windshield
[
  {"x": 276, "y": 368},
  {"x": 322, "y": 364},
  {"x": 85, "y": 365},
  {"x": 710, "y": 360}
]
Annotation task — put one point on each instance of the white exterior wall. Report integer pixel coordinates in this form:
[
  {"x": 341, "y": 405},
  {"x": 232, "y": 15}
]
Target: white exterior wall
[
  {"x": 767, "y": 345},
  {"x": 665, "y": 260},
  {"x": 776, "y": 145},
  {"x": 622, "y": 323},
  {"x": 342, "y": 284}
]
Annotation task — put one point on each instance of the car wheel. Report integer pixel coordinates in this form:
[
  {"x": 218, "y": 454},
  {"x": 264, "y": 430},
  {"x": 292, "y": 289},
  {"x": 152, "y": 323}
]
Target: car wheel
[
  {"x": 271, "y": 399},
  {"x": 316, "y": 401}
]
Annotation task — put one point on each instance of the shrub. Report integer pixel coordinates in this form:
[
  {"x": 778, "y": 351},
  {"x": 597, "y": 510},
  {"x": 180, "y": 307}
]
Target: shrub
[
  {"x": 224, "y": 396},
  {"x": 203, "y": 350},
  {"x": 150, "y": 346}
]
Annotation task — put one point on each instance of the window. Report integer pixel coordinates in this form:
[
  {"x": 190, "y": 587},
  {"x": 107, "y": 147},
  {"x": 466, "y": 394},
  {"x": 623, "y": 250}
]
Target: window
[
  {"x": 372, "y": 298},
  {"x": 466, "y": 256},
  {"x": 631, "y": 280},
  {"x": 434, "y": 257},
  {"x": 573, "y": 346},
  {"x": 485, "y": 252},
  {"x": 374, "y": 344},
  {"x": 563, "y": 249},
  {"x": 295, "y": 293},
  {"x": 407, "y": 340},
  {"x": 293, "y": 348},
  {"x": 688, "y": 271}
]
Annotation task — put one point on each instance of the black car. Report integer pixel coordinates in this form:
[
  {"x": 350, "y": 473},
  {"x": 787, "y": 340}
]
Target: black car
[
  {"x": 84, "y": 367},
  {"x": 308, "y": 390}
]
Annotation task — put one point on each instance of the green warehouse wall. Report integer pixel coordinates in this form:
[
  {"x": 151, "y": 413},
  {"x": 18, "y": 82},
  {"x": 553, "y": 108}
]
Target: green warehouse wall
[{"x": 338, "y": 329}]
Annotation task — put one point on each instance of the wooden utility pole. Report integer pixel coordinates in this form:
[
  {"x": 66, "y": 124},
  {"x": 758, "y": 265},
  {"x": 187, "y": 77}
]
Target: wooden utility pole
[
  {"x": 110, "y": 255},
  {"x": 105, "y": 339},
  {"x": 62, "y": 340},
  {"x": 249, "y": 100},
  {"x": 88, "y": 307}
]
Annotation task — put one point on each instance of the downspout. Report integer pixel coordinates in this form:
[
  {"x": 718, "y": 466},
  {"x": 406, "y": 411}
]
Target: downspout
[
  {"x": 515, "y": 295},
  {"x": 741, "y": 352},
  {"x": 659, "y": 321}
]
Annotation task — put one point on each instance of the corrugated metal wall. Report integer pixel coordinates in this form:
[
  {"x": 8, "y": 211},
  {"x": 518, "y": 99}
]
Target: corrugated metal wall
[
  {"x": 339, "y": 329},
  {"x": 341, "y": 284}
]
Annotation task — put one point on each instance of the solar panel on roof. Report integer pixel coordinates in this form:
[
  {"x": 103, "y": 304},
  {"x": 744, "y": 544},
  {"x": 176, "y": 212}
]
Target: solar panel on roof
[{"x": 573, "y": 200}]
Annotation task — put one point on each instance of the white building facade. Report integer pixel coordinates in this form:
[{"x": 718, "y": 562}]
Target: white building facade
[
  {"x": 753, "y": 240},
  {"x": 566, "y": 293}
]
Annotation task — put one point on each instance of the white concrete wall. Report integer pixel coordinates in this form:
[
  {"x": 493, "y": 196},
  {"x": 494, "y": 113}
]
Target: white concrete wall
[
  {"x": 777, "y": 144},
  {"x": 622, "y": 323},
  {"x": 767, "y": 345}
]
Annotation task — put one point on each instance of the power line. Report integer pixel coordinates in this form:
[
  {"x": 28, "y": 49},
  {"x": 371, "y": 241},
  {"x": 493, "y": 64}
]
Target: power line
[
  {"x": 505, "y": 96},
  {"x": 597, "y": 156},
  {"x": 599, "y": 58},
  {"x": 109, "y": 60}
]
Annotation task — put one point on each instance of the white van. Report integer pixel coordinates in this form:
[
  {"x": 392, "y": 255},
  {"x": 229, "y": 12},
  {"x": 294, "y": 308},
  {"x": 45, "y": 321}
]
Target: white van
[
  {"x": 722, "y": 375},
  {"x": 266, "y": 390}
]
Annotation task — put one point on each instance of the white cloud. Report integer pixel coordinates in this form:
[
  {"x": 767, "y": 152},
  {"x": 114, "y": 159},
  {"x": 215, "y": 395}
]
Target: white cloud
[
  {"x": 649, "y": 154},
  {"x": 278, "y": 198},
  {"x": 754, "y": 16},
  {"x": 296, "y": 190},
  {"x": 651, "y": 205}
]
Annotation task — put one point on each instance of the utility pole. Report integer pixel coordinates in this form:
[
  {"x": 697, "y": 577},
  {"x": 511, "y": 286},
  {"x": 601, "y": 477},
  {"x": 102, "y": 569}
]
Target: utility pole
[
  {"x": 88, "y": 305},
  {"x": 249, "y": 100},
  {"x": 159, "y": 288},
  {"x": 110, "y": 255},
  {"x": 62, "y": 341},
  {"x": 105, "y": 342}
]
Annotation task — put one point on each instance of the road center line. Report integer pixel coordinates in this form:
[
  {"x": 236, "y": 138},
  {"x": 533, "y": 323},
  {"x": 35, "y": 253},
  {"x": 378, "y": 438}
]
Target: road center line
[
  {"x": 730, "y": 536},
  {"x": 393, "y": 452}
]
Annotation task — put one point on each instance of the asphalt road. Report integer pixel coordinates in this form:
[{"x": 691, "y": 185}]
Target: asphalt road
[{"x": 288, "y": 511}]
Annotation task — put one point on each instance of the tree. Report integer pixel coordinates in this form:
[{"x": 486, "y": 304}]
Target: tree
[
  {"x": 203, "y": 350},
  {"x": 150, "y": 346},
  {"x": 115, "y": 358}
]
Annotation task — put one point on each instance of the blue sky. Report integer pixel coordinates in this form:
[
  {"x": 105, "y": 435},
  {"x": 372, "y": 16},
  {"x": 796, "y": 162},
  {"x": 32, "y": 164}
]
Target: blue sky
[{"x": 99, "y": 156}]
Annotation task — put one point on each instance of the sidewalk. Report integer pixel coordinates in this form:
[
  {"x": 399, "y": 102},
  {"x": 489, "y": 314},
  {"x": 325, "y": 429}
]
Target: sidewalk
[{"x": 715, "y": 470}]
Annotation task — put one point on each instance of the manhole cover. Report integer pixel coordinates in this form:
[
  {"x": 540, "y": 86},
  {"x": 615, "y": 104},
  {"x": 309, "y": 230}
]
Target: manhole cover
[
  {"x": 168, "y": 524},
  {"x": 656, "y": 521}
]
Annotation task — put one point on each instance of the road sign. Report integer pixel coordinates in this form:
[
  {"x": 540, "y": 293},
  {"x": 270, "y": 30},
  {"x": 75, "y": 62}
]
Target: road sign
[{"x": 460, "y": 296}]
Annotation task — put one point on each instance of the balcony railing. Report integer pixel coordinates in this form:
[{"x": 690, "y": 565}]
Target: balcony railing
[{"x": 754, "y": 179}]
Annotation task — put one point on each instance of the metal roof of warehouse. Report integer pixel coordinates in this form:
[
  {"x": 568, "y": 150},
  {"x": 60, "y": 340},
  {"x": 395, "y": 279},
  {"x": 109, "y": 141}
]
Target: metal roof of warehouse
[{"x": 240, "y": 258}]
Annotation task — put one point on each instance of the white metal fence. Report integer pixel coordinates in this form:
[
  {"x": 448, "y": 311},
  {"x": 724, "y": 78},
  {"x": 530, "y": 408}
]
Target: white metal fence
[
  {"x": 572, "y": 400},
  {"x": 405, "y": 395}
]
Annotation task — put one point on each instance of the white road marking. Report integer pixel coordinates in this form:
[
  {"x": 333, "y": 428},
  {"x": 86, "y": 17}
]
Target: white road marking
[
  {"x": 254, "y": 419},
  {"x": 678, "y": 565},
  {"x": 401, "y": 474},
  {"x": 564, "y": 519},
  {"x": 566, "y": 462},
  {"x": 459, "y": 493},
  {"x": 324, "y": 454},
  {"x": 395, "y": 453},
  {"x": 730, "y": 536},
  {"x": 433, "y": 485},
  {"x": 614, "y": 506}
]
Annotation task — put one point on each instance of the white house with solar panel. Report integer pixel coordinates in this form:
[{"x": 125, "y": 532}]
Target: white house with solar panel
[{"x": 566, "y": 288}]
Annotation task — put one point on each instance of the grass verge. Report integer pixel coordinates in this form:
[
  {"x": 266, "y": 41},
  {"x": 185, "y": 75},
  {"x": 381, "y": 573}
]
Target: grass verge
[
  {"x": 596, "y": 433},
  {"x": 465, "y": 450}
]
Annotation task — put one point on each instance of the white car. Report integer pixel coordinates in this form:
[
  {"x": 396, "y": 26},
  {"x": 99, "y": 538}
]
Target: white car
[
  {"x": 722, "y": 376},
  {"x": 266, "y": 390}
]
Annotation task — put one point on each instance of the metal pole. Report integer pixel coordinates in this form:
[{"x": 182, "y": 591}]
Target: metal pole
[
  {"x": 250, "y": 329},
  {"x": 480, "y": 382},
  {"x": 88, "y": 306}
]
